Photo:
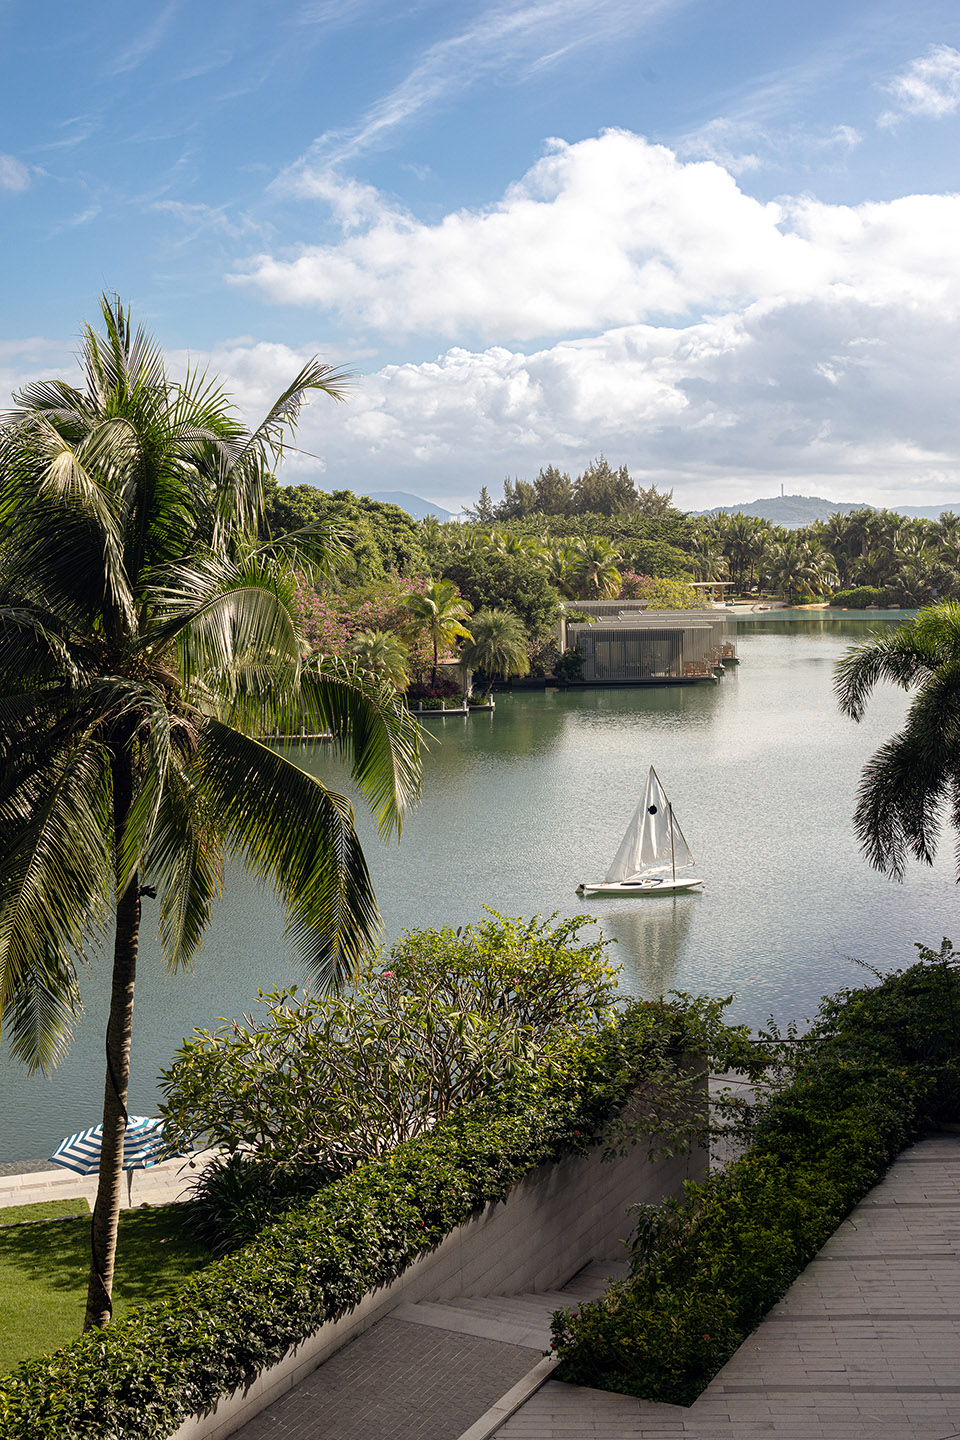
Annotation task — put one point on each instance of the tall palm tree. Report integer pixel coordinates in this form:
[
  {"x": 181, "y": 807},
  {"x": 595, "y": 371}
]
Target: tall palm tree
[
  {"x": 145, "y": 642},
  {"x": 908, "y": 782},
  {"x": 498, "y": 646},
  {"x": 441, "y": 613}
]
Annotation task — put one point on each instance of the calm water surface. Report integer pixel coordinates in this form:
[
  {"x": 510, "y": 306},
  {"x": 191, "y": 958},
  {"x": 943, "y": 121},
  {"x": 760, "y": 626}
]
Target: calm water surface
[{"x": 520, "y": 806}]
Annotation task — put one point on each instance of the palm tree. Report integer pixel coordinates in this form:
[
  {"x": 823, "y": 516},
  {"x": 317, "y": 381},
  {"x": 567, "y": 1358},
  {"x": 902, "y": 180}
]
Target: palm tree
[
  {"x": 145, "y": 641},
  {"x": 441, "y": 612},
  {"x": 498, "y": 646},
  {"x": 562, "y": 566},
  {"x": 907, "y": 783},
  {"x": 384, "y": 656},
  {"x": 598, "y": 577}
]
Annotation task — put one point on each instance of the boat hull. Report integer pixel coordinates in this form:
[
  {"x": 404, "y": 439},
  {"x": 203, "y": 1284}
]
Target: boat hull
[{"x": 652, "y": 885}]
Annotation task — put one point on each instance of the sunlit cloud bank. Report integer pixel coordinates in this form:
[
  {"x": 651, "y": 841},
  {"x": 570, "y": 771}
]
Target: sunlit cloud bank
[
  {"x": 621, "y": 298},
  {"x": 613, "y": 230}
]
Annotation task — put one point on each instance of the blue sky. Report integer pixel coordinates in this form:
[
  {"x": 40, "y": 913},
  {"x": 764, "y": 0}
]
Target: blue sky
[{"x": 718, "y": 241}]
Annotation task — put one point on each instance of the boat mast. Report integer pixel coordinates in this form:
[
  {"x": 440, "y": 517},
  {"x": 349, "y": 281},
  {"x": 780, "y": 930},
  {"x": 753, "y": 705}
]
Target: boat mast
[{"x": 673, "y": 853}]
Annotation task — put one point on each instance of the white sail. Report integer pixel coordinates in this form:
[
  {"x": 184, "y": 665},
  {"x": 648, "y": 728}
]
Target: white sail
[{"x": 653, "y": 841}]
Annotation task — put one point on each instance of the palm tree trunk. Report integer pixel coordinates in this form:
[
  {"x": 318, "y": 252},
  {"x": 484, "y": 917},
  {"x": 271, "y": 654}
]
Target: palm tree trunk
[{"x": 106, "y": 1211}]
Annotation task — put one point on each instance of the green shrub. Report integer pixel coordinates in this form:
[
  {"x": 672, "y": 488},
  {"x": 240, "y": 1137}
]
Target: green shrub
[
  {"x": 569, "y": 666},
  {"x": 859, "y": 598},
  {"x": 143, "y": 1375},
  {"x": 877, "y": 1065},
  {"x": 314, "y": 1080}
]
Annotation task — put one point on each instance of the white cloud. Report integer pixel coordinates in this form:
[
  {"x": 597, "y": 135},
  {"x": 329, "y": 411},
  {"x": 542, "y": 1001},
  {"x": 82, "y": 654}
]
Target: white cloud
[
  {"x": 611, "y": 230},
  {"x": 929, "y": 86},
  {"x": 608, "y": 230},
  {"x": 839, "y": 396},
  {"x": 13, "y": 174}
]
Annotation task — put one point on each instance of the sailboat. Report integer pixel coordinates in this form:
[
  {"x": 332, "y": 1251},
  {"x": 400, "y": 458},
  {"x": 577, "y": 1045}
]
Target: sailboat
[{"x": 654, "y": 858}]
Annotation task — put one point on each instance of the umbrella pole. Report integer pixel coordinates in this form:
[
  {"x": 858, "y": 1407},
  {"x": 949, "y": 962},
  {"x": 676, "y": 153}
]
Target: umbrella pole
[{"x": 129, "y": 1189}]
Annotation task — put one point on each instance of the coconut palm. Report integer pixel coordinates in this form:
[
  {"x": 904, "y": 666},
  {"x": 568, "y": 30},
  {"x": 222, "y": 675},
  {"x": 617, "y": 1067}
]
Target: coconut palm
[
  {"x": 383, "y": 655},
  {"x": 915, "y": 775},
  {"x": 441, "y": 613},
  {"x": 598, "y": 577},
  {"x": 498, "y": 646},
  {"x": 562, "y": 566},
  {"x": 144, "y": 643}
]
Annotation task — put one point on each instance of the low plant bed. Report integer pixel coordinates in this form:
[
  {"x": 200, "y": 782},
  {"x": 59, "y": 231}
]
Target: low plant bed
[
  {"x": 878, "y": 1066},
  {"x": 43, "y": 1274}
]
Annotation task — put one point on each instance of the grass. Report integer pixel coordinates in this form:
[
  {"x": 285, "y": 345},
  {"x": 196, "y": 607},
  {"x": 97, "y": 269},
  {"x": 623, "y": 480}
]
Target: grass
[
  {"x": 42, "y": 1210},
  {"x": 43, "y": 1275}
]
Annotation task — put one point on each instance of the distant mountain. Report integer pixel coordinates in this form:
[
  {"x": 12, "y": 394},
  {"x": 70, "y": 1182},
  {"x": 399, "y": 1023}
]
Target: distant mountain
[
  {"x": 793, "y": 511},
  {"x": 411, "y": 503}
]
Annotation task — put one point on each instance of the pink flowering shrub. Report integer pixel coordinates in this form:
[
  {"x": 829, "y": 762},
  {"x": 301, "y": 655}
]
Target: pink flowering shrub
[
  {"x": 330, "y": 619},
  {"x": 634, "y": 586}
]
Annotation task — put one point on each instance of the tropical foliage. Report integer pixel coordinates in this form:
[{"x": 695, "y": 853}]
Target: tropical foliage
[
  {"x": 498, "y": 646},
  {"x": 316, "y": 1084},
  {"x": 146, "y": 640},
  {"x": 878, "y": 1066},
  {"x": 914, "y": 778},
  {"x": 141, "y": 1378}
]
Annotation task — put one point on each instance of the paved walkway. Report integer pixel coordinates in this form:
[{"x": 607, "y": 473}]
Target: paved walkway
[
  {"x": 428, "y": 1370},
  {"x": 864, "y": 1346}
]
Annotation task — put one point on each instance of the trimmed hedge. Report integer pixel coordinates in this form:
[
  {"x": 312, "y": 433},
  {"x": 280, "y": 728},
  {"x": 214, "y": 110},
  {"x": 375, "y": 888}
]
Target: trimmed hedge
[
  {"x": 877, "y": 1066},
  {"x": 142, "y": 1376},
  {"x": 860, "y": 598}
]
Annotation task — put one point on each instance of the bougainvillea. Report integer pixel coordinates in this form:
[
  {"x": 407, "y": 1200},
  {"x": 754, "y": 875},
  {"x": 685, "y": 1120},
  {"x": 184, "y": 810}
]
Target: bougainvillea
[{"x": 331, "y": 619}]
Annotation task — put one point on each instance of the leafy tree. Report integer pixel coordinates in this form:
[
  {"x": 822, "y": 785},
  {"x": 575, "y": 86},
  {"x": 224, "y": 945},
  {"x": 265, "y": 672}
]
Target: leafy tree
[
  {"x": 439, "y": 612},
  {"x": 489, "y": 580},
  {"x": 328, "y": 1081},
  {"x": 602, "y": 491},
  {"x": 554, "y": 492},
  {"x": 653, "y": 503},
  {"x": 519, "y": 498},
  {"x": 483, "y": 511},
  {"x": 381, "y": 538},
  {"x": 913, "y": 777},
  {"x": 498, "y": 647},
  {"x": 144, "y": 642}
]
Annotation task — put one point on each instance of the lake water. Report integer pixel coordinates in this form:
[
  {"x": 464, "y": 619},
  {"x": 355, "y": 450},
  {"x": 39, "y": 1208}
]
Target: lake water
[{"x": 521, "y": 805}]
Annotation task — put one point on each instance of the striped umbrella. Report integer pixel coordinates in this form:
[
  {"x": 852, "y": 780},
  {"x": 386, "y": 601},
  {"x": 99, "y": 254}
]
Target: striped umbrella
[{"x": 142, "y": 1147}]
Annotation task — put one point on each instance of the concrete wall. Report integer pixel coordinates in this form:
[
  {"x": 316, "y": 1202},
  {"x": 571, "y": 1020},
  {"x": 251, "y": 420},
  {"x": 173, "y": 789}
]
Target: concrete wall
[{"x": 555, "y": 1221}]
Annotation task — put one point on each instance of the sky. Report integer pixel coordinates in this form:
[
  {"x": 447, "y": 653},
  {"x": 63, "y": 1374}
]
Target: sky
[{"x": 717, "y": 241}]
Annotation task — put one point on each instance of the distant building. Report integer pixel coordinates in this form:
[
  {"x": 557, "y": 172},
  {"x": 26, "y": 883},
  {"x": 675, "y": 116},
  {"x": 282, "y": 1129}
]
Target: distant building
[{"x": 623, "y": 643}]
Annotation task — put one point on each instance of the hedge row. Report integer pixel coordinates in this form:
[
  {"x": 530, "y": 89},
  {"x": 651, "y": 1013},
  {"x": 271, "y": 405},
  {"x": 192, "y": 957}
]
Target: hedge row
[
  {"x": 860, "y": 598},
  {"x": 878, "y": 1065},
  {"x": 143, "y": 1375}
]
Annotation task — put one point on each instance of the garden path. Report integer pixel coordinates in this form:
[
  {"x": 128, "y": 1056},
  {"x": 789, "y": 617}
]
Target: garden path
[{"x": 865, "y": 1345}]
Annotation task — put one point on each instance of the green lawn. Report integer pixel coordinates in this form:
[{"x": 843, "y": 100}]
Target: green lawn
[{"x": 43, "y": 1274}]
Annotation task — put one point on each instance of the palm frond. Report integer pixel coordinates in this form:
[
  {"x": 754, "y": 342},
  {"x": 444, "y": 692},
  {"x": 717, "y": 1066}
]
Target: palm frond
[
  {"x": 39, "y": 1018},
  {"x": 373, "y": 729},
  {"x": 186, "y": 865},
  {"x": 56, "y": 838},
  {"x": 297, "y": 834}
]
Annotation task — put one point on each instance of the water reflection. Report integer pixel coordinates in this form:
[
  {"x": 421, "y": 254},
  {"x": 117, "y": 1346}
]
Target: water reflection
[{"x": 651, "y": 933}]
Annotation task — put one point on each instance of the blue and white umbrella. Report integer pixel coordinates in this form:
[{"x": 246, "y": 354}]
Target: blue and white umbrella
[{"x": 143, "y": 1146}]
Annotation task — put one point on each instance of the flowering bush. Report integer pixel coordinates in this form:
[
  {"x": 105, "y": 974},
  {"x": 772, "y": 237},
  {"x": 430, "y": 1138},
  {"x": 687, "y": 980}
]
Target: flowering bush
[{"x": 331, "y": 619}]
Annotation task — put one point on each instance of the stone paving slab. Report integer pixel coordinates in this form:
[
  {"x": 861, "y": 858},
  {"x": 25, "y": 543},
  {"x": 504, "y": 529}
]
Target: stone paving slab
[
  {"x": 398, "y": 1381},
  {"x": 864, "y": 1346}
]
